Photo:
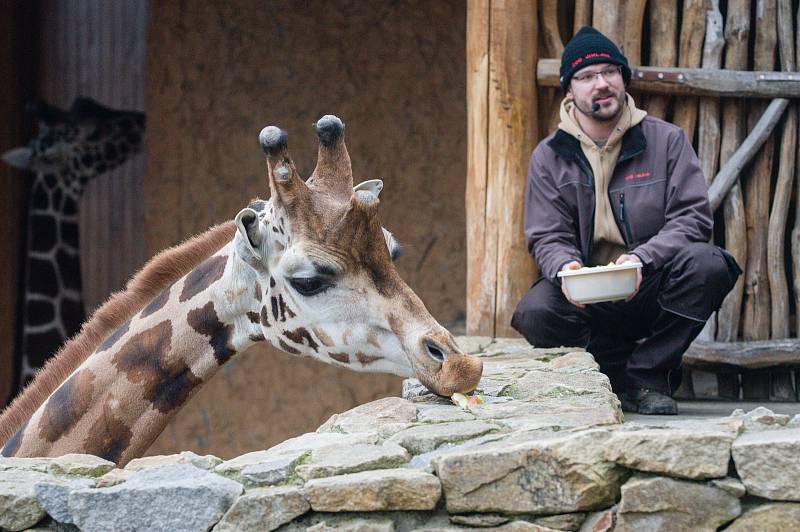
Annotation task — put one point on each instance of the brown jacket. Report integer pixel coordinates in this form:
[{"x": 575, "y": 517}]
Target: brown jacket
[{"x": 657, "y": 194}]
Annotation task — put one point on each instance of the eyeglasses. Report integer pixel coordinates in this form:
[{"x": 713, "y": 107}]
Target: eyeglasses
[{"x": 609, "y": 74}]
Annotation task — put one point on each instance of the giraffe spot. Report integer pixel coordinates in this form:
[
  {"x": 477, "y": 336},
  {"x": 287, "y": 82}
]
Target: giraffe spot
[
  {"x": 166, "y": 382},
  {"x": 396, "y": 325},
  {"x": 42, "y": 345},
  {"x": 43, "y": 229},
  {"x": 206, "y": 274},
  {"x": 298, "y": 335},
  {"x": 108, "y": 437},
  {"x": 286, "y": 347},
  {"x": 257, "y": 337},
  {"x": 373, "y": 340},
  {"x": 344, "y": 358},
  {"x": 118, "y": 333},
  {"x": 40, "y": 198},
  {"x": 66, "y": 406},
  {"x": 69, "y": 266},
  {"x": 259, "y": 293},
  {"x": 366, "y": 359},
  {"x": 42, "y": 278},
  {"x": 323, "y": 337},
  {"x": 50, "y": 180},
  {"x": 205, "y": 321},
  {"x": 70, "y": 206},
  {"x": 110, "y": 151},
  {"x": 58, "y": 197},
  {"x": 254, "y": 317},
  {"x": 156, "y": 304},
  {"x": 274, "y": 302},
  {"x": 271, "y": 282},
  {"x": 39, "y": 312},
  {"x": 274, "y": 229},
  {"x": 282, "y": 305},
  {"x": 69, "y": 234},
  {"x": 264, "y": 317},
  {"x": 72, "y": 315},
  {"x": 12, "y": 445}
]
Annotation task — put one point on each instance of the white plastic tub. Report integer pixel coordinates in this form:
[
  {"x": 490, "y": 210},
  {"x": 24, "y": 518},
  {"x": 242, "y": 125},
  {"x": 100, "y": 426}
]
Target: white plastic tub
[{"x": 600, "y": 283}]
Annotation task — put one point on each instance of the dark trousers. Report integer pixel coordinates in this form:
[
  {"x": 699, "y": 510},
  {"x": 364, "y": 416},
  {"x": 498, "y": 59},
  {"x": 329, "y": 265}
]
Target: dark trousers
[{"x": 639, "y": 343}]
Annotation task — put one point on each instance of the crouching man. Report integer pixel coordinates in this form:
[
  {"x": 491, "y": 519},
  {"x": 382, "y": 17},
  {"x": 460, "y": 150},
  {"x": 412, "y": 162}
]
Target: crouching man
[{"x": 615, "y": 185}]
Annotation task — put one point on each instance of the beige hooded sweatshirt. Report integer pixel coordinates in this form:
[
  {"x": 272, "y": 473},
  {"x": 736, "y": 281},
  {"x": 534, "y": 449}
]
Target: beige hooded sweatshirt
[{"x": 607, "y": 243}]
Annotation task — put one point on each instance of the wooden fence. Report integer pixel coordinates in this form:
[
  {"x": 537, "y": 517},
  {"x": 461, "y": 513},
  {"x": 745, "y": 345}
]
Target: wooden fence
[{"x": 727, "y": 76}]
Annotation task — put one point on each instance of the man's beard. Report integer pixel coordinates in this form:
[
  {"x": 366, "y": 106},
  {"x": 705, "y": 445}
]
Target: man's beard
[{"x": 603, "y": 118}]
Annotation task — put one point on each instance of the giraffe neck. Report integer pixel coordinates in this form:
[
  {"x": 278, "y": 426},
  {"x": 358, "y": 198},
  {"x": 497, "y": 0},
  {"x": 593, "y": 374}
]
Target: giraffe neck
[
  {"x": 119, "y": 400},
  {"x": 51, "y": 302}
]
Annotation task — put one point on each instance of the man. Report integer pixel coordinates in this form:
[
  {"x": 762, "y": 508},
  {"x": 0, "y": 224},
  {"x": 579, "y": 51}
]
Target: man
[{"x": 615, "y": 185}]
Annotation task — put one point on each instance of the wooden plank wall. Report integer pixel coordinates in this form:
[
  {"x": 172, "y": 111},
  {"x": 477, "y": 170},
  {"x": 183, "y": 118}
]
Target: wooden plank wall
[{"x": 97, "y": 49}]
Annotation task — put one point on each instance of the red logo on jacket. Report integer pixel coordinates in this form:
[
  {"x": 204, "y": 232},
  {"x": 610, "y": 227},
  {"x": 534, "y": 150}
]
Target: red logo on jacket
[{"x": 637, "y": 175}]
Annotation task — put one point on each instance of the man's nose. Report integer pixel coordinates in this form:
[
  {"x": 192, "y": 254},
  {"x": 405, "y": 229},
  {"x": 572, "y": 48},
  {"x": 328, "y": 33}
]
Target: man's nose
[{"x": 600, "y": 81}]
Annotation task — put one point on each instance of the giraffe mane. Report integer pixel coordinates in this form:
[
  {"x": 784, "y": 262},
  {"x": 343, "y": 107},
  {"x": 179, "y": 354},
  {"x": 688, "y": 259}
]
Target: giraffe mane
[{"x": 161, "y": 271}]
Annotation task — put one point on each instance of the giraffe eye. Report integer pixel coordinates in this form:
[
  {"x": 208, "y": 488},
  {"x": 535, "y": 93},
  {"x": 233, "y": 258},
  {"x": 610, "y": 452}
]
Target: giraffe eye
[{"x": 309, "y": 286}]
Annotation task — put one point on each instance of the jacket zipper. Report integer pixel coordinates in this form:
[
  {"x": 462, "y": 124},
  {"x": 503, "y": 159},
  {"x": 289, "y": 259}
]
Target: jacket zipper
[
  {"x": 626, "y": 228},
  {"x": 588, "y": 170}
]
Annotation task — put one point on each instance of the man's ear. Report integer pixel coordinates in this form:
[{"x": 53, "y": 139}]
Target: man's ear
[{"x": 251, "y": 234}]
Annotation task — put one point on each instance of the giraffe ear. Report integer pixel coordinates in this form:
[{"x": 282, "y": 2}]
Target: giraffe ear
[
  {"x": 373, "y": 185},
  {"x": 19, "y": 157},
  {"x": 250, "y": 237}
]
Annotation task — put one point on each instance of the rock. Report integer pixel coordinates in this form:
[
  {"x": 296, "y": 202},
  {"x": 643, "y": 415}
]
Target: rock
[
  {"x": 569, "y": 522},
  {"x": 794, "y": 422},
  {"x": 85, "y": 465},
  {"x": 25, "y": 464},
  {"x": 208, "y": 461},
  {"x": 602, "y": 521},
  {"x": 661, "y": 503},
  {"x": 480, "y": 520},
  {"x": 760, "y": 418},
  {"x": 114, "y": 477},
  {"x": 773, "y": 517},
  {"x": 540, "y": 474},
  {"x": 442, "y": 414},
  {"x": 354, "y": 525},
  {"x": 575, "y": 361},
  {"x": 372, "y": 491},
  {"x": 53, "y": 495},
  {"x": 173, "y": 497},
  {"x": 425, "y": 438},
  {"x": 273, "y": 461},
  {"x": 673, "y": 452},
  {"x": 313, "y": 440},
  {"x": 473, "y": 344},
  {"x": 273, "y": 471},
  {"x": 372, "y": 416},
  {"x": 264, "y": 509},
  {"x": 19, "y": 506},
  {"x": 767, "y": 462},
  {"x": 334, "y": 460},
  {"x": 732, "y": 485}
]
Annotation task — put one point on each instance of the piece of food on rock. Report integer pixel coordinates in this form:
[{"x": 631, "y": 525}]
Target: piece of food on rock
[{"x": 464, "y": 401}]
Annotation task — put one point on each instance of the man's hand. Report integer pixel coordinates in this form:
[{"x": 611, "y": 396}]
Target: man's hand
[
  {"x": 626, "y": 258},
  {"x": 574, "y": 265}
]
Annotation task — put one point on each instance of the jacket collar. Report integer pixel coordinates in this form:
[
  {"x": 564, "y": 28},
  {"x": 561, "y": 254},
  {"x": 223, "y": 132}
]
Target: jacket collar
[{"x": 569, "y": 148}]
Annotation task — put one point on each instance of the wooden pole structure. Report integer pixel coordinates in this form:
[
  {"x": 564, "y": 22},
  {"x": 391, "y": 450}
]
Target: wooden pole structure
[
  {"x": 607, "y": 19},
  {"x": 583, "y": 15},
  {"x": 554, "y": 47},
  {"x": 693, "y": 28},
  {"x": 663, "y": 53},
  {"x": 632, "y": 31},
  {"x": 502, "y": 128}
]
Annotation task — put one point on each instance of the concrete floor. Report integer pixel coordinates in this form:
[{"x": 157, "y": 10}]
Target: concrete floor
[{"x": 711, "y": 409}]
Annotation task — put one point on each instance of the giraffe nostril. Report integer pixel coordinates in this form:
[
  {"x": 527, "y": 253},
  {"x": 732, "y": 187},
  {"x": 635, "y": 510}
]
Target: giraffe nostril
[{"x": 435, "y": 352}]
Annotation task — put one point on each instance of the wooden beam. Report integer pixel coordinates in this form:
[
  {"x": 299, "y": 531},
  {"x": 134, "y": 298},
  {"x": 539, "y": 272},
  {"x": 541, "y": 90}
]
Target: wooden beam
[
  {"x": 744, "y": 355},
  {"x": 696, "y": 81}
]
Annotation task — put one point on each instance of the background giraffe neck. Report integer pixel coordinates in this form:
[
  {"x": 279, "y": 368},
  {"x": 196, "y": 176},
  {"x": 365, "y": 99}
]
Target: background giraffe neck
[{"x": 52, "y": 305}]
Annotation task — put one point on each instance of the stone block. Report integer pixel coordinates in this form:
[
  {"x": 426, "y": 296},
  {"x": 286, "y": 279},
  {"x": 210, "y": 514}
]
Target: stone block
[
  {"x": 208, "y": 461},
  {"x": 53, "y": 495},
  {"x": 264, "y": 509},
  {"x": 334, "y": 460},
  {"x": 767, "y": 462},
  {"x": 19, "y": 506},
  {"x": 425, "y": 438},
  {"x": 772, "y": 517}
]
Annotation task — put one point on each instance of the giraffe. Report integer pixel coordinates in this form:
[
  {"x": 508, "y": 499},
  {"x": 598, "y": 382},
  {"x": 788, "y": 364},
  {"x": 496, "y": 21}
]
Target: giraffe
[
  {"x": 72, "y": 148},
  {"x": 308, "y": 271}
]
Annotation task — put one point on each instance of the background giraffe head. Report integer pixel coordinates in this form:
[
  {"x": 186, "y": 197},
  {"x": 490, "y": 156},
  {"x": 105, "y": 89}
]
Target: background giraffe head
[
  {"x": 77, "y": 145},
  {"x": 327, "y": 282}
]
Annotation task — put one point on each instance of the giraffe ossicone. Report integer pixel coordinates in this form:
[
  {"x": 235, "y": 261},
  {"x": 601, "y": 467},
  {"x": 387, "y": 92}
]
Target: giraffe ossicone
[{"x": 308, "y": 271}]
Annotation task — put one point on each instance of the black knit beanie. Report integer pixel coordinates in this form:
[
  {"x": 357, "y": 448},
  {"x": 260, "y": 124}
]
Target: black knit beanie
[{"x": 589, "y": 47}]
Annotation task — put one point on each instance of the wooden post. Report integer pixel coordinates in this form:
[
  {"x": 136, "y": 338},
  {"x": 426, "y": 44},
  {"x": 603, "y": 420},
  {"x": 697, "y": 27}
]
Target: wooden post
[
  {"x": 503, "y": 126},
  {"x": 632, "y": 31},
  {"x": 690, "y": 51},
  {"x": 796, "y": 230},
  {"x": 583, "y": 15},
  {"x": 663, "y": 28},
  {"x": 607, "y": 20}
]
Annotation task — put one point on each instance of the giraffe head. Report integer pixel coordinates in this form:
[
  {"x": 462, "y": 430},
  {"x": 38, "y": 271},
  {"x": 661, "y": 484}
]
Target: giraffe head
[
  {"x": 328, "y": 284},
  {"x": 86, "y": 141}
]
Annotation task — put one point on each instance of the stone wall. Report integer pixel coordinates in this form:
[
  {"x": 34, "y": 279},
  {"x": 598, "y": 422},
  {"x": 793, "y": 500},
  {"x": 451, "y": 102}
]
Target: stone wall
[{"x": 548, "y": 450}]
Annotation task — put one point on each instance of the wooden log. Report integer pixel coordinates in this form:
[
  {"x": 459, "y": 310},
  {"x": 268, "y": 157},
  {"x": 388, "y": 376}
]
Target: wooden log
[
  {"x": 690, "y": 49},
  {"x": 663, "y": 50},
  {"x": 481, "y": 242},
  {"x": 734, "y": 356},
  {"x": 704, "y": 81},
  {"x": 583, "y": 15},
  {"x": 554, "y": 46},
  {"x": 796, "y": 229},
  {"x": 632, "y": 31},
  {"x": 607, "y": 20},
  {"x": 513, "y": 54}
]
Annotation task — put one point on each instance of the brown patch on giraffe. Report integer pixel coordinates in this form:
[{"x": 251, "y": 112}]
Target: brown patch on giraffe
[
  {"x": 372, "y": 340},
  {"x": 257, "y": 337},
  {"x": 205, "y": 321},
  {"x": 264, "y": 317},
  {"x": 326, "y": 340},
  {"x": 344, "y": 358},
  {"x": 346, "y": 336},
  {"x": 286, "y": 347},
  {"x": 164, "y": 381},
  {"x": 162, "y": 271},
  {"x": 366, "y": 359},
  {"x": 108, "y": 437},
  {"x": 156, "y": 304},
  {"x": 259, "y": 293},
  {"x": 396, "y": 325},
  {"x": 206, "y": 274},
  {"x": 298, "y": 335},
  {"x": 279, "y": 245},
  {"x": 116, "y": 335},
  {"x": 254, "y": 317},
  {"x": 274, "y": 303},
  {"x": 283, "y": 308},
  {"x": 12, "y": 445},
  {"x": 66, "y": 406}
]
